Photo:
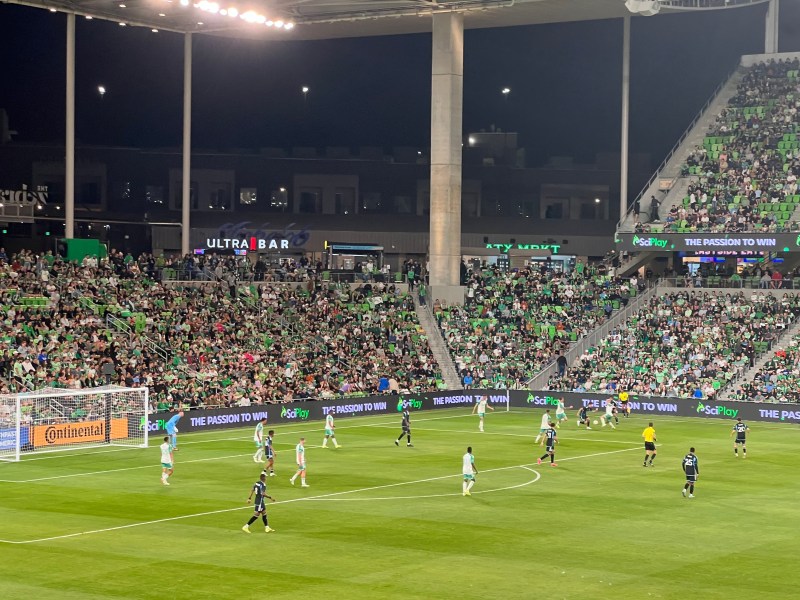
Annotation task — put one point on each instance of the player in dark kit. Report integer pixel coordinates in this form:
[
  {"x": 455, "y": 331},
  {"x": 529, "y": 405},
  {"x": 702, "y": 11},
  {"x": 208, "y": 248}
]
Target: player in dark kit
[
  {"x": 740, "y": 429},
  {"x": 260, "y": 490},
  {"x": 406, "y": 425},
  {"x": 583, "y": 417},
  {"x": 269, "y": 453},
  {"x": 690, "y": 468},
  {"x": 551, "y": 439}
]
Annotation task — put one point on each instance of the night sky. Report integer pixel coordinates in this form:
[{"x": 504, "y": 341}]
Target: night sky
[{"x": 565, "y": 82}]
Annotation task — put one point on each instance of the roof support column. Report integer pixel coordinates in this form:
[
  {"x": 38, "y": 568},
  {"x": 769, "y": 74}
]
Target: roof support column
[
  {"x": 771, "y": 30},
  {"x": 626, "y": 91},
  {"x": 186, "y": 176},
  {"x": 447, "y": 87},
  {"x": 69, "y": 143}
]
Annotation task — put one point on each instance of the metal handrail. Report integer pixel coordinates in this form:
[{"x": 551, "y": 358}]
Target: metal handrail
[{"x": 657, "y": 173}]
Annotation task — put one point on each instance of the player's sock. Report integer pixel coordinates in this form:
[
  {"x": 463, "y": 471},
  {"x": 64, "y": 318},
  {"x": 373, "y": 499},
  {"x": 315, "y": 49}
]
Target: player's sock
[
  {"x": 464, "y": 488},
  {"x": 335, "y": 443},
  {"x": 652, "y": 458},
  {"x": 645, "y": 461},
  {"x": 612, "y": 425},
  {"x": 251, "y": 521},
  {"x": 470, "y": 484},
  {"x": 545, "y": 455},
  {"x": 736, "y": 451},
  {"x": 552, "y": 458},
  {"x": 691, "y": 489},
  {"x": 264, "y": 519},
  {"x": 536, "y": 441},
  {"x": 744, "y": 452},
  {"x": 325, "y": 443}
]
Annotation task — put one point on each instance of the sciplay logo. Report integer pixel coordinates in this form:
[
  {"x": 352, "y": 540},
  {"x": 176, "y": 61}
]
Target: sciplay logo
[
  {"x": 651, "y": 242},
  {"x": 409, "y": 403},
  {"x": 717, "y": 409},
  {"x": 300, "y": 414}
]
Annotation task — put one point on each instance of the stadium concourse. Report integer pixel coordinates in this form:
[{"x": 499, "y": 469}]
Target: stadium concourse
[{"x": 744, "y": 176}]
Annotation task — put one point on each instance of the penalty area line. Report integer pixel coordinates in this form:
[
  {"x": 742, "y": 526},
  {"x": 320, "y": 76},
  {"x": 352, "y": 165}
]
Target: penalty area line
[{"x": 293, "y": 500}]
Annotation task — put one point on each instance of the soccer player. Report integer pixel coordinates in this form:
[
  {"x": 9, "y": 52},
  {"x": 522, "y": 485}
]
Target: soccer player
[
  {"x": 649, "y": 435},
  {"x": 270, "y": 453},
  {"x": 259, "y": 509},
  {"x": 740, "y": 429},
  {"x": 329, "y": 427},
  {"x": 406, "y": 425},
  {"x": 608, "y": 418},
  {"x": 543, "y": 428},
  {"x": 300, "y": 455},
  {"x": 624, "y": 406},
  {"x": 258, "y": 438},
  {"x": 550, "y": 450},
  {"x": 480, "y": 408},
  {"x": 561, "y": 412},
  {"x": 583, "y": 417},
  {"x": 172, "y": 428},
  {"x": 469, "y": 471},
  {"x": 166, "y": 460},
  {"x": 692, "y": 471}
]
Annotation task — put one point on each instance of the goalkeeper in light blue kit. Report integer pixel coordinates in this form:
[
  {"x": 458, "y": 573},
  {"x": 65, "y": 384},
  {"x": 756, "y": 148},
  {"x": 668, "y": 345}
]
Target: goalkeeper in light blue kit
[{"x": 172, "y": 429}]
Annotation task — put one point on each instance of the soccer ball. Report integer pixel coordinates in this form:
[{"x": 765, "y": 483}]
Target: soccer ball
[{"x": 596, "y": 422}]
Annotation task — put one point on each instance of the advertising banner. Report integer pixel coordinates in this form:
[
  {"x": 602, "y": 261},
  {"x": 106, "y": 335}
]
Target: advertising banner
[
  {"x": 8, "y": 437},
  {"x": 316, "y": 410},
  {"x": 687, "y": 242},
  {"x": 70, "y": 433}
]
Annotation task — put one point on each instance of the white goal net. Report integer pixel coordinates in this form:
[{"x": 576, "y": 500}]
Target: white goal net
[{"x": 53, "y": 419}]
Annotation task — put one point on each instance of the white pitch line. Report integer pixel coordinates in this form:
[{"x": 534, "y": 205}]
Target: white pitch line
[
  {"x": 238, "y": 508},
  {"x": 510, "y": 487}
]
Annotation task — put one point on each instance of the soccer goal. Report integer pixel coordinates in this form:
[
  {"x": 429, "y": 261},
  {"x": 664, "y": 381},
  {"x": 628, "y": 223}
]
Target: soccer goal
[{"x": 53, "y": 419}]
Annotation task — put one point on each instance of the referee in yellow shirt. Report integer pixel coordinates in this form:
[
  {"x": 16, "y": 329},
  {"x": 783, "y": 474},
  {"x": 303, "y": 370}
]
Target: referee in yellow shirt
[{"x": 649, "y": 436}]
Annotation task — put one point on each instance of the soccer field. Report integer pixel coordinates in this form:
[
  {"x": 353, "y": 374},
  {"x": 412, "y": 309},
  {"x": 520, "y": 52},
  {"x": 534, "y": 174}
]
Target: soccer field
[{"x": 385, "y": 522}]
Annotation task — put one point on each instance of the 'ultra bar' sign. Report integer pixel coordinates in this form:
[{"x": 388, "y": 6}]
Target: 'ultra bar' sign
[
  {"x": 22, "y": 197},
  {"x": 246, "y": 243}
]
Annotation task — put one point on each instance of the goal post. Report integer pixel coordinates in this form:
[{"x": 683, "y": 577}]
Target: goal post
[{"x": 54, "y": 419}]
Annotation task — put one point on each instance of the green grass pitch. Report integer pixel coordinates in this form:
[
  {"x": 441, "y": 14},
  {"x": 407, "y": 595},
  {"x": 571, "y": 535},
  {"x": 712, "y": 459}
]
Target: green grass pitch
[{"x": 385, "y": 522}]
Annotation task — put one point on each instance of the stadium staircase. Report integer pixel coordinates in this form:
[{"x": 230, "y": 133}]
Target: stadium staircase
[
  {"x": 762, "y": 360},
  {"x": 437, "y": 345},
  {"x": 618, "y": 319},
  {"x": 669, "y": 171}
]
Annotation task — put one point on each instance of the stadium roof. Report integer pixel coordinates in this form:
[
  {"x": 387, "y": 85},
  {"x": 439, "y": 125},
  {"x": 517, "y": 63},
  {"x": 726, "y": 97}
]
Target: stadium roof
[{"x": 324, "y": 19}]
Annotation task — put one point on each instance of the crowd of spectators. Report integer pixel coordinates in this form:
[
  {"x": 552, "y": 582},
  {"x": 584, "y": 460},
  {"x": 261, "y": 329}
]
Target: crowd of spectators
[
  {"x": 778, "y": 380},
  {"x": 514, "y": 323},
  {"x": 744, "y": 176},
  {"x": 686, "y": 344},
  {"x": 206, "y": 343}
]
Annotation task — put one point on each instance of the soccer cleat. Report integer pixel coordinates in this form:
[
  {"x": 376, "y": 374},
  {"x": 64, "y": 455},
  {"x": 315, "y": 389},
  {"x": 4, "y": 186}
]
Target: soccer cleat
[
  {"x": 538, "y": 461},
  {"x": 268, "y": 529},
  {"x": 338, "y": 446},
  {"x": 553, "y": 464},
  {"x": 272, "y": 474},
  {"x": 165, "y": 482},
  {"x": 588, "y": 428},
  {"x": 691, "y": 495},
  {"x": 396, "y": 443},
  {"x": 467, "y": 493},
  {"x": 683, "y": 491},
  {"x": 246, "y": 529},
  {"x": 644, "y": 464},
  {"x": 291, "y": 480},
  {"x": 409, "y": 445},
  {"x": 255, "y": 459},
  {"x": 305, "y": 485}
]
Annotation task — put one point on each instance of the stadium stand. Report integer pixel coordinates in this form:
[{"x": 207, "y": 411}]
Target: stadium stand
[
  {"x": 744, "y": 176},
  {"x": 205, "y": 343},
  {"x": 778, "y": 380},
  {"x": 513, "y": 323},
  {"x": 683, "y": 344}
]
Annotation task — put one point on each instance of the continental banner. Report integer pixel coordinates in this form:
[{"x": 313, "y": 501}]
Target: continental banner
[
  {"x": 316, "y": 410},
  {"x": 77, "y": 433}
]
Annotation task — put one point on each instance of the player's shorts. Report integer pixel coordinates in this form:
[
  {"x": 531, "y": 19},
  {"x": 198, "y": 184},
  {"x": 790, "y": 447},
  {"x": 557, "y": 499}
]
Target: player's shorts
[
  {"x": 406, "y": 429},
  {"x": 260, "y": 507},
  {"x": 259, "y": 444},
  {"x": 544, "y": 430},
  {"x": 650, "y": 446},
  {"x": 481, "y": 415},
  {"x": 608, "y": 417},
  {"x": 301, "y": 467},
  {"x": 691, "y": 478},
  {"x": 268, "y": 453},
  {"x": 561, "y": 416},
  {"x": 740, "y": 441},
  {"x": 328, "y": 431},
  {"x": 550, "y": 448},
  {"x": 166, "y": 465},
  {"x": 171, "y": 431},
  {"x": 469, "y": 477}
]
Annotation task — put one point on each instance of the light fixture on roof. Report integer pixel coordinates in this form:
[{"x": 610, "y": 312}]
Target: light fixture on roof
[
  {"x": 233, "y": 12},
  {"x": 289, "y": 26},
  {"x": 184, "y": 2},
  {"x": 89, "y": 17},
  {"x": 53, "y": 10},
  {"x": 279, "y": 24},
  {"x": 269, "y": 23},
  {"x": 123, "y": 6},
  {"x": 121, "y": 24},
  {"x": 646, "y": 8},
  {"x": 154, "y": 30},
  {"x": 161, "y": 15}
]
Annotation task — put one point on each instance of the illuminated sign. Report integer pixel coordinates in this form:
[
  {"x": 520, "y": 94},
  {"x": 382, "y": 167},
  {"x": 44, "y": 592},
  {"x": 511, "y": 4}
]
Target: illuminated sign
[
  {"x": 246, "y": 243},
  {"x": 688, "y": 242},
  {"x": 504, "y": 248},
  {"x": 23, "y": 197}
]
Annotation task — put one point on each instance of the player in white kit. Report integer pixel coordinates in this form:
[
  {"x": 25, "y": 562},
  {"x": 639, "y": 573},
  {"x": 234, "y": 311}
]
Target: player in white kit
[
  {"x": 543, "y": 428},
  {"x": 469, "y": 471},
  {"x": 480, "y": 408}
]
